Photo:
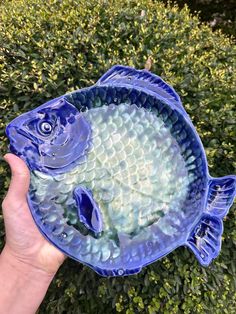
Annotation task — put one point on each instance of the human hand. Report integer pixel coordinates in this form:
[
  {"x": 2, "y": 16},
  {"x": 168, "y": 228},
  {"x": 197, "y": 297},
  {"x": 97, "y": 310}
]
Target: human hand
[
  {"x": 28, "y": 262},
  {"x": 24, "y": 242}
]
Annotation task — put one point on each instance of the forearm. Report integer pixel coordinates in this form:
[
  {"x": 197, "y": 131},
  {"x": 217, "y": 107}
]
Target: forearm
[{"x": 22, "y": 287}]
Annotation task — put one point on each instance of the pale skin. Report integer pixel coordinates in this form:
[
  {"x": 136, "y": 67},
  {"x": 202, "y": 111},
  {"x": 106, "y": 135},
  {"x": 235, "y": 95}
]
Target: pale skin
[{"x": 28, "y": 262}]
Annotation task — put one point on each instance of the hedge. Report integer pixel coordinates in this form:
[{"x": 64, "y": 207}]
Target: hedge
[
  {"x": 218, "y": 13},
  {"x": 51, "y": 47}
]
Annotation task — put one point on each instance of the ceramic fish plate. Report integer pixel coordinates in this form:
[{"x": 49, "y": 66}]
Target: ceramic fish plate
[{"x": 119, "y": 176}]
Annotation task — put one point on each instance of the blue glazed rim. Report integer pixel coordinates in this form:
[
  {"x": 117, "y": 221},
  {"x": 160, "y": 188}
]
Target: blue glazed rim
[{"x": 182, "y": 112}]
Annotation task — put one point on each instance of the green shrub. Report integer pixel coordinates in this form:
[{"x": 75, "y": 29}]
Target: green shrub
[
  {"x": 218, "y": 13},
  {"x": 52, "y": 47}
]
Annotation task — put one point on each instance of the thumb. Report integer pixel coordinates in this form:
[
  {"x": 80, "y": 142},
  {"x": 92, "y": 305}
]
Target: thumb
[{"x": 20, "y": 178}]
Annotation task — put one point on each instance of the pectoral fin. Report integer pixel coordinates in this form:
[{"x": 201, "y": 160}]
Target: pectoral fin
[{"x": 88, "y": 210}]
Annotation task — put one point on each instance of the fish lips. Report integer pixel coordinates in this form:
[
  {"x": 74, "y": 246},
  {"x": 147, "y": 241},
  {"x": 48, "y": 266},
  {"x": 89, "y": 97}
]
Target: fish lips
[{"x": 22, "y": 143}]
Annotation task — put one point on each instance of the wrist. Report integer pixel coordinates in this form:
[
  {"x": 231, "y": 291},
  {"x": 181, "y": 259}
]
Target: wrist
[
  {"x": 23, "y": 286},
  {"x": 24, "y": 268}
]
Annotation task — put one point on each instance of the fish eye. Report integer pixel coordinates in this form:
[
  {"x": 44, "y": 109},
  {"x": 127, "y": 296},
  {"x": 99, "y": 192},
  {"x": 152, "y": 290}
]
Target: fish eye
[{"x": 45, "y": 128}]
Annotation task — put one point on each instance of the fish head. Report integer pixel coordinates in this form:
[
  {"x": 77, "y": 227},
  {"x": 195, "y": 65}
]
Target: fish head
[{"x": 51, "y": 138}]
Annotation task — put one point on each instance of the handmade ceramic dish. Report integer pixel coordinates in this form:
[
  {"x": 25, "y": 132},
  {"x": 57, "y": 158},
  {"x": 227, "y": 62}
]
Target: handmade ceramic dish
[{"x": 119, "y": 176}]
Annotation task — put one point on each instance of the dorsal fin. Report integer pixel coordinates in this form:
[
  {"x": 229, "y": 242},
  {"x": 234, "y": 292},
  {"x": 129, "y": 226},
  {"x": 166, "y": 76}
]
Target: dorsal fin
[{"x": 123, "y": 75}]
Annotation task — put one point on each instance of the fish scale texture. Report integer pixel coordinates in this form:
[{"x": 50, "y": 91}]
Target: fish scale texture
[
  {"x": 136, "y": 173},
  {"x": 142, "y": 178}
]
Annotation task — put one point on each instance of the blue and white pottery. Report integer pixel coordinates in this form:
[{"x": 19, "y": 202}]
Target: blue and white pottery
[{"x": 119, "y": 176}]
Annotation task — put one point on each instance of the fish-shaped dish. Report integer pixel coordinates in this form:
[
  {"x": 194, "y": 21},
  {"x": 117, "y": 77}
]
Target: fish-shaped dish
[{"x": 119, "y": 176}]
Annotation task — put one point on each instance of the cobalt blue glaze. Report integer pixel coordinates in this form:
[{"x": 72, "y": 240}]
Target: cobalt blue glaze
[
  {"x": 119, "y": 176},
  {"x": 88, "y": 210}
]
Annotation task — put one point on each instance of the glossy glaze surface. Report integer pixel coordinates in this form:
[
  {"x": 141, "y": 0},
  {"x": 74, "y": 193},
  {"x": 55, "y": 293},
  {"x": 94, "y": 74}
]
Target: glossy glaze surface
[{"x": 119, "y": 175}]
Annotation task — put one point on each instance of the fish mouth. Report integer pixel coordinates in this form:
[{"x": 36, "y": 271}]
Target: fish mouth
[
  {"x": 18, "y": 139},
  {"x": 29, "y": 136},
  {"x": 13, "y": 132}
]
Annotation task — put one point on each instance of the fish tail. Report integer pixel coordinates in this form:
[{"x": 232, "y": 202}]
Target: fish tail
[{"x": 205, "y": 238}]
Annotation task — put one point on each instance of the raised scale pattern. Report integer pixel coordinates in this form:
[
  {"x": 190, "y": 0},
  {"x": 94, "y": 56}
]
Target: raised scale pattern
[{"x": 119, "y": 176}]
